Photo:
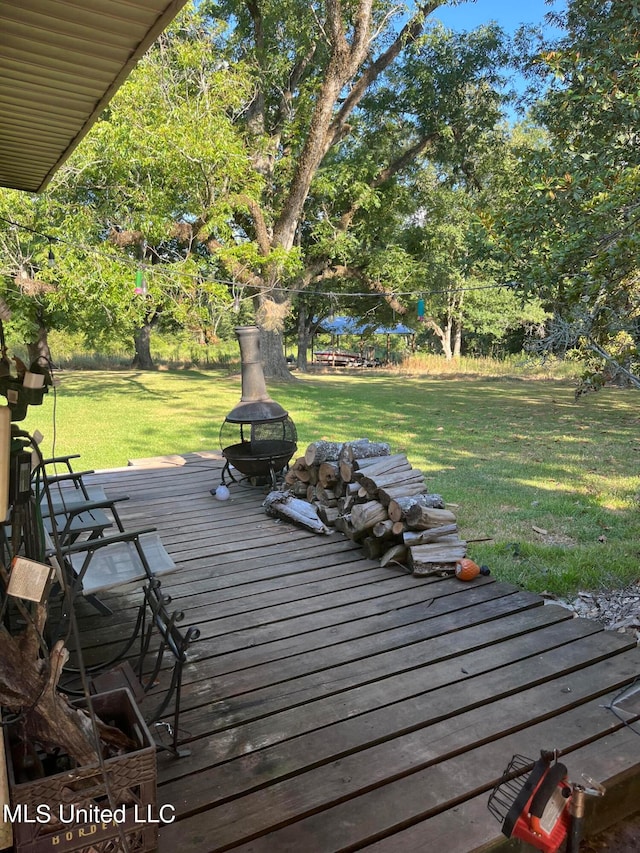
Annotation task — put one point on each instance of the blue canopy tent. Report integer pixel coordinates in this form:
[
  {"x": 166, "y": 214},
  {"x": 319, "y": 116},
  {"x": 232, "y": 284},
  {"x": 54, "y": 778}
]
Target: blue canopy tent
[{"x": 349, "y": 326}]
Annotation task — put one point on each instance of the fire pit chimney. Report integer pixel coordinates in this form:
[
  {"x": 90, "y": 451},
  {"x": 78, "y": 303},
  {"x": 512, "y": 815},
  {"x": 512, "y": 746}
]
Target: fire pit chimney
[{"x": 255, "y": 403}]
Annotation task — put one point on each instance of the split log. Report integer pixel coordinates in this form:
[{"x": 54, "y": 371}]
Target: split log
[
  {"x": 383, "y": 529},
  {"x": 346, "y": 504},
  {"x": 423, "y": 537},
  {"x": 389, "y": 493},
  {"x": 328, "y": 514},
  {"x": 382, "y": 464},
  {"x": 301, "y": 470},
  {"x": 349, "y": 492},
  {"x": 344, "y": 525},
  {"x": 322, "y": 451},
  {"x": 328, "y": 474},
  {"x": 325, "y": 496},
  {"x": 424, "y": 517},
  {"x": 346, "y": 470},
  {"x": 300, "y": 489},
  {"x": 283, "y": 505},
  {"x": 393, "y": 479},
  {"x": 424, "y": 558},
  {"x": 372, "y": 548},
  {"x": 362, "y": 448},
  {"x": 396, "y": 554},
  {"x": 365, "y": 516},
  {"x": 357, "y": 451},
  {"x": 392, "y": 531},
  {"x": 399, "y": 506},
  {"x": 442, "y": 570}
]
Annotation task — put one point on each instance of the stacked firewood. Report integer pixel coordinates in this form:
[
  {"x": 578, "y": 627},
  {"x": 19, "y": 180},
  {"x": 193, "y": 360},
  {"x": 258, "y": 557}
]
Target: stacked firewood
[{"x": 378, "y": 499}]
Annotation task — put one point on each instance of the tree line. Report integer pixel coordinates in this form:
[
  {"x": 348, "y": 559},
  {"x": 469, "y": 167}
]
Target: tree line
[{"x": 277, "y": 162}]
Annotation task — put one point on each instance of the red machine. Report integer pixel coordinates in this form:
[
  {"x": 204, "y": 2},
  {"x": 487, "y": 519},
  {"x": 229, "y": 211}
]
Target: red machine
[{"x": 544, "y": 809}]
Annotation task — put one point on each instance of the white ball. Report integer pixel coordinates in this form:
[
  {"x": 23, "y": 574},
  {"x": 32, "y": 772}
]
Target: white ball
[{"x": 222, "y": 493}]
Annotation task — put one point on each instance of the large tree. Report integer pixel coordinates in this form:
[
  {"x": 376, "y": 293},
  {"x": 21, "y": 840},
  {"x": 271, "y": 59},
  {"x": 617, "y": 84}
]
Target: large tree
[
  {"x": 466, "y": 287},
  {"x": 164, "y": 156},
  {"x": 270, "y": 150},
  {"x": 355, "y": 90},
  {"x": 571, "y": 232}
]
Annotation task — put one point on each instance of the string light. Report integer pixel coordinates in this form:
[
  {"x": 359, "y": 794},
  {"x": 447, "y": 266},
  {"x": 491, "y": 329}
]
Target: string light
[{"x": 159, "y": 272}]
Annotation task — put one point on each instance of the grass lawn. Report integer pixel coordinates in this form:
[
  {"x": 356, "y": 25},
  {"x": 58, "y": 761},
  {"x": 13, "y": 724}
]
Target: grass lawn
[{"x": 553, "y": 482}]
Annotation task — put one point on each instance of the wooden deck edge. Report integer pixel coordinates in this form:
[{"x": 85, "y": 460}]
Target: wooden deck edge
[
  {"x": 622, "y": 801},
  {"x": 173, "y": 461}
]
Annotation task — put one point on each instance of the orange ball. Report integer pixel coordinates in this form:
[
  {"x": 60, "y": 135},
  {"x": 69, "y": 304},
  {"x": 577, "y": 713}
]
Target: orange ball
[{"x": 466, "y": 569}]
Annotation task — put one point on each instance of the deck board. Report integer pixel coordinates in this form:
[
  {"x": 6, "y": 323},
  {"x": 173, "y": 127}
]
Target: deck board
[{"x": 333, "y": 705}]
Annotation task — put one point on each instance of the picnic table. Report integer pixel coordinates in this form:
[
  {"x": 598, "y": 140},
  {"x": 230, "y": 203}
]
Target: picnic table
[{"x": 341, "y": 358}]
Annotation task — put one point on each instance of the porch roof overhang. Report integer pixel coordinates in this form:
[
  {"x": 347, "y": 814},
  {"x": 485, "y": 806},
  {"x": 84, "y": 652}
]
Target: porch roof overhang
[{"x": 61, "y": 62}]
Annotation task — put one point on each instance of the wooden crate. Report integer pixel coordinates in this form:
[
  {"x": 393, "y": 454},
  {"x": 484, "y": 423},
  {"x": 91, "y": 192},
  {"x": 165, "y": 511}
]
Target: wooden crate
[{"x": 71, "y": 811}]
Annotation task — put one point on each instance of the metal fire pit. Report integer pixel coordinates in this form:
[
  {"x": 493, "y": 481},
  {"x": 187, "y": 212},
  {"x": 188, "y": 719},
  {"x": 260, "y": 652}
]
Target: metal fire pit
[
  {"x": 257, "y": 438},
  {"x": 265, "y": 453}
]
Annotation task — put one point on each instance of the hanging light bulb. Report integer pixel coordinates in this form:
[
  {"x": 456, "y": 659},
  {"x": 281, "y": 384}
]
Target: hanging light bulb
[{"x": 51, "y": 258}]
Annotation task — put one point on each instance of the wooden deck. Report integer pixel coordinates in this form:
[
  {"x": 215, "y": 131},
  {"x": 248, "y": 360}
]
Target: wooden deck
[{"x": 331, "y": 704}]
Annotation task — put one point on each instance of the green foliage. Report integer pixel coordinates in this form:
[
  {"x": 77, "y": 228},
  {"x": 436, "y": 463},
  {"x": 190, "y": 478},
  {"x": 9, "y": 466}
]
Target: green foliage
[
  {"x": 190, "y": 174},
  {"x": 572, "y": 227},
  {"x": 491, "y": 313},
  {"x": 163, "y": 163}
]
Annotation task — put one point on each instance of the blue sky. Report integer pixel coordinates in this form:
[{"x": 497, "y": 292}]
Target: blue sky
[{"x": 509, "y": 14}]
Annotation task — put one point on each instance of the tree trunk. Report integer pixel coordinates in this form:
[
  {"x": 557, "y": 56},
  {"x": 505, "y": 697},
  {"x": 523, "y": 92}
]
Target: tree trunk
[
  {"x": 304, "y": 338},
  {"x": 142, "y": 343},
  {"x": 39, "y": 348},
  {"x": 457, "y": 340},
  {"x": 457, "y": 323},
  {"x": 273, "y": 359},
  {"x": 443, "y": 335}
]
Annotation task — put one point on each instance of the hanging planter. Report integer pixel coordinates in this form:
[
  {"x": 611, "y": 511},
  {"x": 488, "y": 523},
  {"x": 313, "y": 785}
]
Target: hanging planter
[{"x": 21, "y": 394}]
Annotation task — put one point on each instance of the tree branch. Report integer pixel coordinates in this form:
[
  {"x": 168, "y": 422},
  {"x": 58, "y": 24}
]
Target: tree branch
[
  {"x": 389, "y": 172},
  {"x": 262, "y": 232},
  {"x": 256, "y": 111},
  {"x": 408, "y": 34},
  {"x": 327, "y": 128},
  {"x": 343, "y": 64}
]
